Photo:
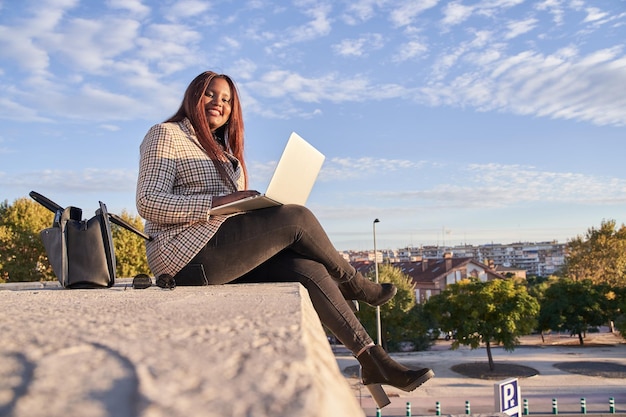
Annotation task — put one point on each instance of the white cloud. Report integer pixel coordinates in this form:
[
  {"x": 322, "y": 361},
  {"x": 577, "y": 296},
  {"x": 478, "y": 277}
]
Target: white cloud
[
  {"x": 243, "y": 69},
  {"x": 410, "y": 50},
  {"x": 359, "y": 11},
  {"x": 110, "y": 127},
  {"x": 24, "y": 42},
  {"x": 229, "y": 43},
  {"x": 339, "y": 169},
  {"x": 407, "y": 11},
  {"x": 523, "y": 183},
  {"x": 91, "y": 45},
  {"x": 171, "y": 47},
  {"x": 11, "y": 110},
  {"x": 331, "y": 87},
  {"x": 450, "y": 57},
  {"x": 319, "y": 25},
  {"x": 520, "y": 27},
  {"x": 136, "y": 7},
  {"x": 561, "y": 85},
  {"x": 455, "y": 13},
  {"x": 87, "y": 180},
  {"x": 183, "y": 9},
  {"x": 594, "y": 14},
  {"x": 495, "y": 185},
  {"x": 491, "y": 8},
  {"x": 555, "y": 7},
  {"x": 17, "y": 46},
  {"x": 359, "y": 47}
]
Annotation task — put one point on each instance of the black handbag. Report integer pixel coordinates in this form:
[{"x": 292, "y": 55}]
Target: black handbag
[{"x": 81, "y": 252}]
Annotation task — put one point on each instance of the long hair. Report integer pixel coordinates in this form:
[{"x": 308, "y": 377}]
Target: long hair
[{"x": 232, "y": 132}]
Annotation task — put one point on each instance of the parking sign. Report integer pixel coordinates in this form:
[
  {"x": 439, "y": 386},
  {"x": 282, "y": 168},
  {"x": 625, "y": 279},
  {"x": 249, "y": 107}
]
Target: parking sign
[{"x": 507, "y": 397}]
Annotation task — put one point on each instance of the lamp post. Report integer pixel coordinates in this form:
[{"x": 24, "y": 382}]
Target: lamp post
[{"x": 378, "y": 329}]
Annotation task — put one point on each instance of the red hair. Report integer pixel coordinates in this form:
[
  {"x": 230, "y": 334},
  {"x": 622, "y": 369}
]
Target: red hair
[{"x": 193, "y": 108}]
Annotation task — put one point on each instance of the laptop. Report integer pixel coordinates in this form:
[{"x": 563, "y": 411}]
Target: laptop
[{"x": 291, "y": 183}]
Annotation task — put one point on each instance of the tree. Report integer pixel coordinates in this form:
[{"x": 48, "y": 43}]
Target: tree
[
  {"x": 599, "y": 256},
  {"x": 620, "y": 300},
  {"x": 400, "y": 320},
  {"x": 496, "y": 311},
  {"x": 22, "y": 255},
  {"x": 609, "y": 299},
  {"x": 573, "y": 306},
  {"x": 537, "y": 288},
  {"x": 130, "y": 252}
]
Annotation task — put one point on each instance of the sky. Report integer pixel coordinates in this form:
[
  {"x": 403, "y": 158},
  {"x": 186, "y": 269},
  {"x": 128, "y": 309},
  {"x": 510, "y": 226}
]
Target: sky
[{"x": 452, "y": 122}]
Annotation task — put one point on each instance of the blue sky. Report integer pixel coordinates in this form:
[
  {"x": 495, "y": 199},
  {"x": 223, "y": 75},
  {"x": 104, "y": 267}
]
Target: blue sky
[{"x": 451, "y": 121}]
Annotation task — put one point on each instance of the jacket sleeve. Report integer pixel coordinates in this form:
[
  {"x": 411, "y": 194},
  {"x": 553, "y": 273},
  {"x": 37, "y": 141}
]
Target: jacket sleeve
[{"x": 161, "y": 198}]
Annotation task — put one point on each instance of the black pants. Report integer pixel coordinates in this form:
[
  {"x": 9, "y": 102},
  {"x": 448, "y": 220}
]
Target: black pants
[{"x": 285, "y": 244}]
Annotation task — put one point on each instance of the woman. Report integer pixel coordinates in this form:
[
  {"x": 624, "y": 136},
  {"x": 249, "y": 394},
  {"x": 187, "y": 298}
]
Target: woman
[{"x": 194, "y": 161}]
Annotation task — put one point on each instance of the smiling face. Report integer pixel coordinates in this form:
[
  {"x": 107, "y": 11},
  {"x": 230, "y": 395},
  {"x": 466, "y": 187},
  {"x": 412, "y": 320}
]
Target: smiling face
[{"x": 217, "y": 103}]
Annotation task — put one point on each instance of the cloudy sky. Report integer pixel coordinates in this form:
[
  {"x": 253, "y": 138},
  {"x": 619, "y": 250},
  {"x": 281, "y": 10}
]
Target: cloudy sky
[{"x": 468, "y": 121}]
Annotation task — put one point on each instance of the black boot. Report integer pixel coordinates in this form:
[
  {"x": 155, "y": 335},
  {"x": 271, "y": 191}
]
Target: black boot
[
  {"x": 362, "y": 289},
  {"x": 378, "y": 368}
]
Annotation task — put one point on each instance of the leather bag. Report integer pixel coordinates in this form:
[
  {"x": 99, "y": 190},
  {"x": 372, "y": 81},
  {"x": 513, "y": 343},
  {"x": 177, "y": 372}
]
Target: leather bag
[{"x": 81, "y": 252}]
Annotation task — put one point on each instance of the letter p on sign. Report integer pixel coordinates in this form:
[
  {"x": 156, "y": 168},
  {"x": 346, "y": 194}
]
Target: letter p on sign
[{"x": 507, "y": 397}]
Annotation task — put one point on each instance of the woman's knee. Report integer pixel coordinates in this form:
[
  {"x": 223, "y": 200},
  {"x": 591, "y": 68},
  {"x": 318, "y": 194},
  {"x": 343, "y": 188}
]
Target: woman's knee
[{"x": 298, "y": 214}]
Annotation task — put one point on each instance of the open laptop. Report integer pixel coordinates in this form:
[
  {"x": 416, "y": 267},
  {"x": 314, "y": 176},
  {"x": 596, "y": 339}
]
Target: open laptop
[{"x": 291, "y": 183}]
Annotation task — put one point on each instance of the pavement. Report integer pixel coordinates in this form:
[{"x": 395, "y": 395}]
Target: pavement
[{"x": 452, "y": 390}]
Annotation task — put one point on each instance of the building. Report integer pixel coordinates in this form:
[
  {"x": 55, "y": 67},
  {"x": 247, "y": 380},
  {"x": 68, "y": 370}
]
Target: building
[
  {"x": 431, "y": 276},
  {"x": 509, "y": 271},
  {"x": 541, "y": 259}
]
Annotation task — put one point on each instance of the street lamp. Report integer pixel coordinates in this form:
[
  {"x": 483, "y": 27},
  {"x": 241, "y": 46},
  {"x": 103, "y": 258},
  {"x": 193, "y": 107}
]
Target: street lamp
[{"x": 378, "y": 330}]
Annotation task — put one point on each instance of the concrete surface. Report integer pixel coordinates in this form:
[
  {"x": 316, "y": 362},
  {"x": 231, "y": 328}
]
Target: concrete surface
[{"x": 239, "y": 350}]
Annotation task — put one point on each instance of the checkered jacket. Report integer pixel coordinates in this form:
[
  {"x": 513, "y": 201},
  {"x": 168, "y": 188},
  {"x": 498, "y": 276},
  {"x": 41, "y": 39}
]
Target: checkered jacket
[{"x": 176, "y": 182}]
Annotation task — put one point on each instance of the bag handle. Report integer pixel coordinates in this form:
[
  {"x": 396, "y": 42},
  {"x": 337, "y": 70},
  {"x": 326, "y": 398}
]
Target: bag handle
[
  {"x": 121, "y": 222},
  {"x": 46, "y": 202},
  {"x": 54, "y": 207},
  {"x": 63, "y": 218},
  {"x": 107, "y": 240}
]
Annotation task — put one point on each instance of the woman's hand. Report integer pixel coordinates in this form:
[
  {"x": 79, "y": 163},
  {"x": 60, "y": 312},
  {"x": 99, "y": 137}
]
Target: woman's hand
[{"x": 219, "y": 200}]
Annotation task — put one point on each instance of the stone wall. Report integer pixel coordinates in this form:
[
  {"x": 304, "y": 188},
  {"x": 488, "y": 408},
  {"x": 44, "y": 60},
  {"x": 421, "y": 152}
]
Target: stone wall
[{"x": 232, "y": 350}]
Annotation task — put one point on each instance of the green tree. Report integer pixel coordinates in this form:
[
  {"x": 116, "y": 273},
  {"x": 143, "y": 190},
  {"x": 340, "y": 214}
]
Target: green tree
[
  {"x": 573, "y": 306},
  {"x": 400, "y": 320},
  {"x": 496, "y": 311},
  {"x": 537, "y": 288},
  {"x": 22, "y": 255},
  {"x": 130, "y": 252},
  {"x": 599, "y": 256}
]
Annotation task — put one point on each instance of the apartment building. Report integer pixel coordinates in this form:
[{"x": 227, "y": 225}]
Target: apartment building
[{"x": 542, "y": 259}]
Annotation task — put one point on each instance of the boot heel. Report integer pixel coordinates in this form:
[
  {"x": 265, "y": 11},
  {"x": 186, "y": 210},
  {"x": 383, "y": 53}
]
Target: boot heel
[{"x": 378, "y": 394}]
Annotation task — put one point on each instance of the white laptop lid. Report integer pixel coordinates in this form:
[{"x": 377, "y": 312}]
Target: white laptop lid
[{"x": 296, "y": 172}]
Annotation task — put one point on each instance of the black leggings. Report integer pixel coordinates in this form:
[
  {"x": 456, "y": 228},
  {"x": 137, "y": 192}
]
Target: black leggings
[{"x": 285, "y": 244}]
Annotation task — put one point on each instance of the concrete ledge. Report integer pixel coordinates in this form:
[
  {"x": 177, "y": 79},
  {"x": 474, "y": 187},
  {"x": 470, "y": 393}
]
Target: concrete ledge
[{"x": 240, "y": 350}]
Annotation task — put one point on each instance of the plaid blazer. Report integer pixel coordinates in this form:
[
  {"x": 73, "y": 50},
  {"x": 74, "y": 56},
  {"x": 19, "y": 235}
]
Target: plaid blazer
[{"x": 176, "y": 182}]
